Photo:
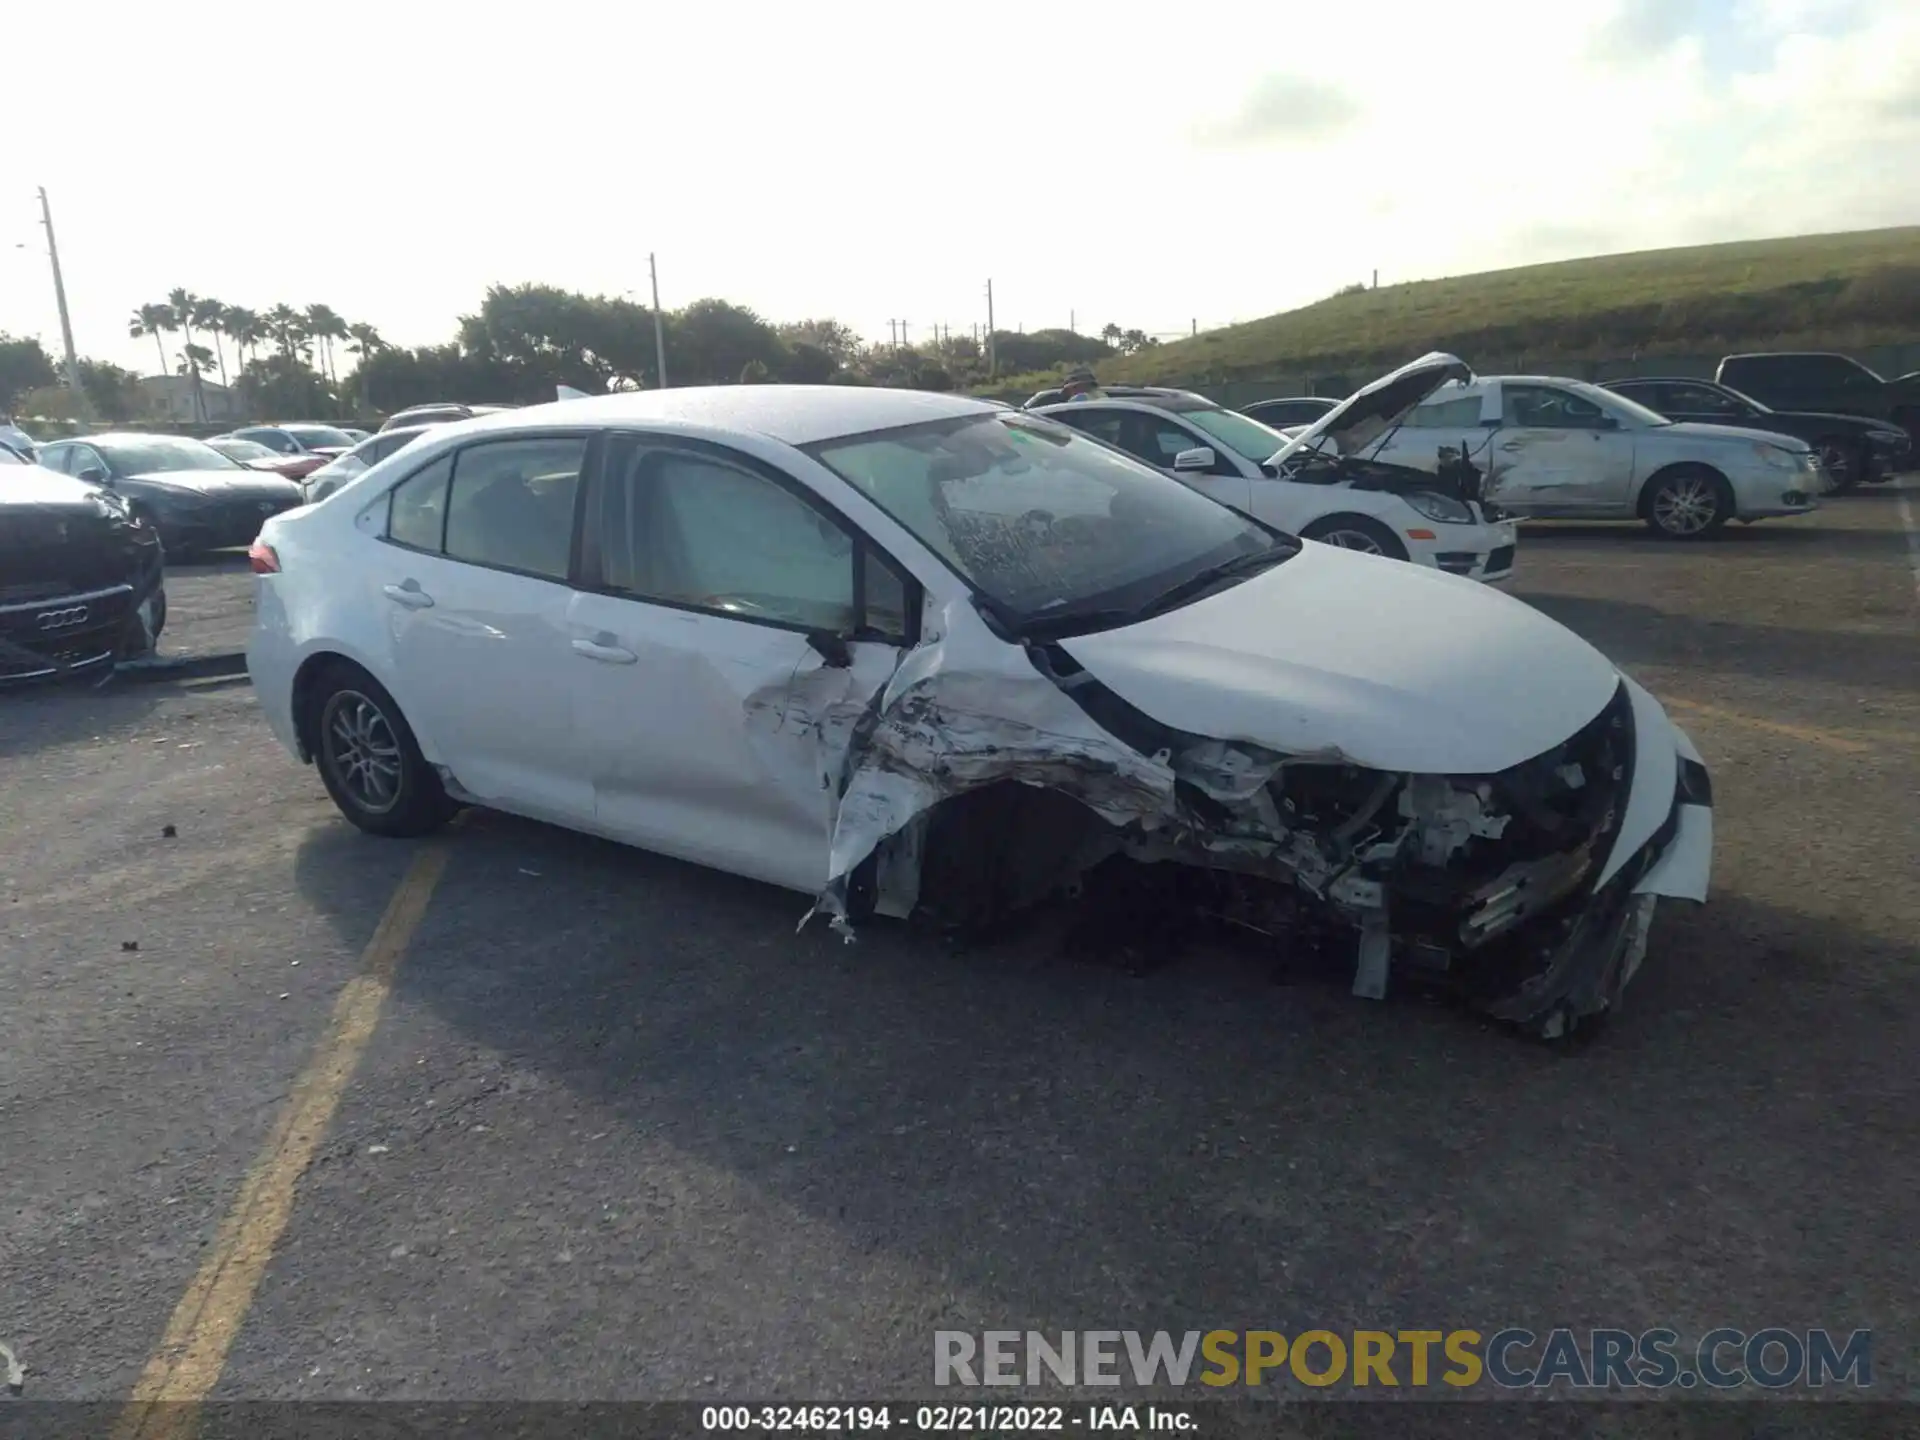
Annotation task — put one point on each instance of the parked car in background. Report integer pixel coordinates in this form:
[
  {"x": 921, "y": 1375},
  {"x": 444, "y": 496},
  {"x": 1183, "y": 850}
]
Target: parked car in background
[
  {"x": 17, "y": 440},
  {"x": 850, "y": 640},
  {"x": 368, "y": 453},
  {"x": 439, "y": 414},
  {"x": 1297, "y": 410},
  {"x": 1852, "y": 448},
  {"x": 1400, "y": 513},
  {"x": 299, "y": 439},
  {"x": 355, "y": 432},
  {"x": 1554, "y": 448},
  {"x": 81, "y": 577},
  {"x": 1824, "y": 383},
  {"x": 255, "y": 456},
  {"x": 193, "y": 495}
]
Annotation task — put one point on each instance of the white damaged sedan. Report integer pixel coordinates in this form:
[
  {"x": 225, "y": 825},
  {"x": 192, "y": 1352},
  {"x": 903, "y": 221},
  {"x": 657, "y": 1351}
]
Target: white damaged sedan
[{"x": 910, "y": 653}]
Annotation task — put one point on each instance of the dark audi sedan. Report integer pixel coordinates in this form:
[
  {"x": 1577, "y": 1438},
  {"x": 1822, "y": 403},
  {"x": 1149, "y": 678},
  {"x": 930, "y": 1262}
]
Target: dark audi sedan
[
  {"x": 80, "y": 577},
  {"x": 193, "y": 495}
]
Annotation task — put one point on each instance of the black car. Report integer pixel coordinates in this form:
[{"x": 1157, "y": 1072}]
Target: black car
[
  {"x": 1852, "y": 448},
  {"x": 193, "y": 495},
  {"x": 1294, "y": 410},
  {"x": 1823, "y": 383},
  {"x": 80, "y": 577}
]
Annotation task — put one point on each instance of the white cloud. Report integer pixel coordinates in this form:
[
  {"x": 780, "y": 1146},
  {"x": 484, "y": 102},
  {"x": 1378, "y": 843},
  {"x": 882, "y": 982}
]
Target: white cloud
[{"x": 874, "y": 161}]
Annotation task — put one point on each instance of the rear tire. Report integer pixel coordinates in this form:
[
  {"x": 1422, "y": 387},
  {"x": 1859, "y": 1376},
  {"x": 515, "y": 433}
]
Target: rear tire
[
  {"x": 1356, "y": 532},
  {"x": 368, "y": 759},
  {"x": 1687, "y": 502}
]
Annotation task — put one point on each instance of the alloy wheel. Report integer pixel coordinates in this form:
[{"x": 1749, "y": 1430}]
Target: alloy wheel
[
  {"x": 362, "y": 750},
  {"x": 1686, "y": 505},
  {"x": 1352, "y": 540},
  {"x": 1837, "y": 461}
]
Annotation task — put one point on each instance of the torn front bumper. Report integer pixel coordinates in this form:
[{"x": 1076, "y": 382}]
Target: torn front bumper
[{"x": 1592, "y": 965}]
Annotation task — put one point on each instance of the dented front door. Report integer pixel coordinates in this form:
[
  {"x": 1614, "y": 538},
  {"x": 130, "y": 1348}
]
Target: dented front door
[
  {"x": 1555, "y": 453},
  {"x": 714, "y": 676}
]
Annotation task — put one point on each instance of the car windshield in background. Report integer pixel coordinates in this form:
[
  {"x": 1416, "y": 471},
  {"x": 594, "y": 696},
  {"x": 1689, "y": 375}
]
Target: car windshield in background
[
  {"x": 1746, "y": 399},
  {"x": 1242, "y": 434},
  {"x": 144, "y": 457},
  {"x": 244, "y": 450},
  {"x": 311, "y": 435},
  {"x": 9, "y": 457},
  {"x": 1041, "y": 521}
]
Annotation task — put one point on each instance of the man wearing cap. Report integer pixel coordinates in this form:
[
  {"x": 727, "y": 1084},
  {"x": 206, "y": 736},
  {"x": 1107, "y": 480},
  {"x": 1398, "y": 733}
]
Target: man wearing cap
[{"x": 1081, "y": 385}]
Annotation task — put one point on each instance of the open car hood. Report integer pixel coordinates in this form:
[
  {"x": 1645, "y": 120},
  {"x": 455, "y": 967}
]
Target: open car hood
[
  {"x": 1337, "y": 655},
  {"x": 1367, "y": 414}
]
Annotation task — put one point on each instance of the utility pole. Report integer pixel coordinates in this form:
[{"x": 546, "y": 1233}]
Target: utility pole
[
  {"x": 659, "y": 329},
  {"x": 1072, "y": 328},
  {"x": 60, "y": 297},
  {"x": 1196, "y": 327},
  {"x": 903, "y": 334},
  {"x": 1376, "y": 278},
  {"x": 993, "y": 351}
]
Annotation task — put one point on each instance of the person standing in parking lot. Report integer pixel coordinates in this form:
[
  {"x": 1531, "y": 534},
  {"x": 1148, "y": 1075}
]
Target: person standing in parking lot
[{"x": 1081, "y": 385}]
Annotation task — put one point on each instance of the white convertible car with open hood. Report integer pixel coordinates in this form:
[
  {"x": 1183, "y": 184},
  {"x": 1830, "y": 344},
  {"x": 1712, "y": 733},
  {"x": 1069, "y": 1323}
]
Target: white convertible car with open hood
[{"x": 916, "y": 653}]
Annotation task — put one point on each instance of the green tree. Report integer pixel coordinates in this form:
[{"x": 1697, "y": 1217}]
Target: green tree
[
  {"x": 24, "y": 365},
  {"x": 185, "y": 303},
  {"x": 286, "y": 329},
  {"x": 837, "y": 341},
  {"x": 325, "y": 325},
  {"x": 755, "y": 372},
  {"x": 155, "y": 320},
  {"x": 211, "y": 317},
  {"x": 714, "y": 341},
  {"x": 113, "y": 393},
  {"x": 194, "y": 360},
  {"x": 246, "y": 329}
]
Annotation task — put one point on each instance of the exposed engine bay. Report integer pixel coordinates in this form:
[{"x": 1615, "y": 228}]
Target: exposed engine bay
[
  {"x": 1456, "y": 476},
  {"x": 1482, "y": 884}
]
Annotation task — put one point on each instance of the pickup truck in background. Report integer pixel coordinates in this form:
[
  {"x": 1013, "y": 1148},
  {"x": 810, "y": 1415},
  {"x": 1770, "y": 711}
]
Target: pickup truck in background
[{"x": 1806, "y": 380}]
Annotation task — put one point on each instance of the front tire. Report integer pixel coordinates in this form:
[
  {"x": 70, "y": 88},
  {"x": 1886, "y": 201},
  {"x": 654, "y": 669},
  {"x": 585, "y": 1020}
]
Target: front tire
[
  {"x": 368, "y": 759},
  {"x": 1845, "y": 464},
  {"x": 1687, "y": 502},
  {"x": 1356, "y": 532}
]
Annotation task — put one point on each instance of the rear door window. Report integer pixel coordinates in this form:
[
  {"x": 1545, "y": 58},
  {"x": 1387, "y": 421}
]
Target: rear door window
[{"x": 511, "y": 504}]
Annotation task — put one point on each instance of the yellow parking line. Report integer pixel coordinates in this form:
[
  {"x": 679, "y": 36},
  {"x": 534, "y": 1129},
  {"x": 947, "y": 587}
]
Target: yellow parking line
[
  {"x": 194, "y": 1348},
  {"x": 1807, "y": 734}
]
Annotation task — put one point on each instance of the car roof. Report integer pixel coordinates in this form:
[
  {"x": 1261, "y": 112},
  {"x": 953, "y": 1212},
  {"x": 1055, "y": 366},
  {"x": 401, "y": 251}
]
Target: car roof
[
  {"x": 1127, "y": 402},
  {"x": 794, "y": 414},
  {"x": 1660, "y": 380},
  {"x": 1297, "y": 400},
  {"x": 1788, "y": 355}
]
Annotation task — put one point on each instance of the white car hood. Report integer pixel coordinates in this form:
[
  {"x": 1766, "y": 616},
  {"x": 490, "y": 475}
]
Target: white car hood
[
  {"x": 1384, "y": 664},
  {"x": 1701, "y": 430}
]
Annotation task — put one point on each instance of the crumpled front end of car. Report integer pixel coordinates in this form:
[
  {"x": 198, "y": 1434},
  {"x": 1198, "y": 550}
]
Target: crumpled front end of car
[{"x": 1529, "y": 892}]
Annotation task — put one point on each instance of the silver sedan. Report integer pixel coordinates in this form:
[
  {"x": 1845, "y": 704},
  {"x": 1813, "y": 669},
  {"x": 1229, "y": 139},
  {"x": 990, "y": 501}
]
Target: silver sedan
[{"x": 1563, "y": 449}]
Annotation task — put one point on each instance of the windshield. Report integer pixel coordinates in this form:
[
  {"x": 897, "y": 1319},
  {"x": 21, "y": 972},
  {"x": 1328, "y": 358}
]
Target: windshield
[
  {"x": 8, "y": 457},
  {"x": 243, "y": 450},
  {"x": 1618, "y": 406},
  {"x": 1747, "y": 399},
  {"x": 161, "y": 452},
  {"x": 316, "y": 435},
  {"x": 1241, "y": 434},
  {"x": 1040, "y": 520}
]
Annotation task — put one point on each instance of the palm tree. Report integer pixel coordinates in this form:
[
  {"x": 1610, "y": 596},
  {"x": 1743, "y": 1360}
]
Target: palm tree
[
  {"x": 183, "y": 303},
  {"x": 284, "y": 327},
  {"x": 325, "y": 325},
  {"x": 193, "y": 360},
  {"x": 245, "y": 327},
  {"x": 154, "y": 320},
  {"x": 366, "y": 340},
  {"x": 211, "y": 316}
]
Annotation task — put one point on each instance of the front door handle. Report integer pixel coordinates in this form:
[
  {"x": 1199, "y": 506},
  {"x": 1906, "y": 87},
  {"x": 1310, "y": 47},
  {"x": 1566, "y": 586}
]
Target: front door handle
[
  {"x": 409, "y": 594},
  {"x": 1513, "y": 445},
  {"x": 605, "y": 654}
]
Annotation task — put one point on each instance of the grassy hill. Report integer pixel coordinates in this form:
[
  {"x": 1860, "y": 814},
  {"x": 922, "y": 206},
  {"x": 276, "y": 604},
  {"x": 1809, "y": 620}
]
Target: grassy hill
[{"x": 1848, "y": 291}]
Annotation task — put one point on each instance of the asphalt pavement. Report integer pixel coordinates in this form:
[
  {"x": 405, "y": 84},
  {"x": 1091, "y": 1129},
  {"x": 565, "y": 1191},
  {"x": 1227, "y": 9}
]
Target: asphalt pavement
[{"x": 614, "y": 1129}]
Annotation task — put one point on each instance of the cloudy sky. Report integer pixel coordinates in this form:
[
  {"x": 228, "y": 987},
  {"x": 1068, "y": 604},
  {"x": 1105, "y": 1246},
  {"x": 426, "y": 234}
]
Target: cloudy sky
[{"x": 1149, "y": 165}]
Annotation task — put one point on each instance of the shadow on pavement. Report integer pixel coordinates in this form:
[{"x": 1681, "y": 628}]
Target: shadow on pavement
[
  {"x": 1633, "y": 634},
  {"x": 1200, "y": 1143},
  {"x": 43, "y": 716}
]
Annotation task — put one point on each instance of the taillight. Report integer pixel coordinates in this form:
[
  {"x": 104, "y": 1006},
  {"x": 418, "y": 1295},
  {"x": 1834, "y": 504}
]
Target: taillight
[{"x": 261, "y": 557}]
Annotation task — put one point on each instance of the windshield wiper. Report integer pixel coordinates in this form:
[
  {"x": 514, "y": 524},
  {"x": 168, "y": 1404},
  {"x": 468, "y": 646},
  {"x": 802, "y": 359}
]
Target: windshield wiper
[{"x": 1201, "y": 582}]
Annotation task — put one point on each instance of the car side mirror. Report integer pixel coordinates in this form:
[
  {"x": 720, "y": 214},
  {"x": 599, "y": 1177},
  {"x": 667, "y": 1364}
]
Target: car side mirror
[
  {"x": 1269, "y": 469},
  {"x": 831, "y": 648},
  {"x": 94, "y": 475},
  {"x": 1198, "y": 458},
  {"x": 1606, "y": 422}
]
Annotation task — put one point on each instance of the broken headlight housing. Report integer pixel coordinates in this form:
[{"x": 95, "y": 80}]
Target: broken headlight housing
[{"x": 1443, "y": 508}]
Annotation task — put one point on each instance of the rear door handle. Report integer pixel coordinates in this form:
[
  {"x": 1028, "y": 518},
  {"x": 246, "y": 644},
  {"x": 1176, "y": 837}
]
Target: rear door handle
[
  {"x": 605, "y": 654},
  {"x": 1513, "y": 445},
  {"x": 409, "y": 594}
]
